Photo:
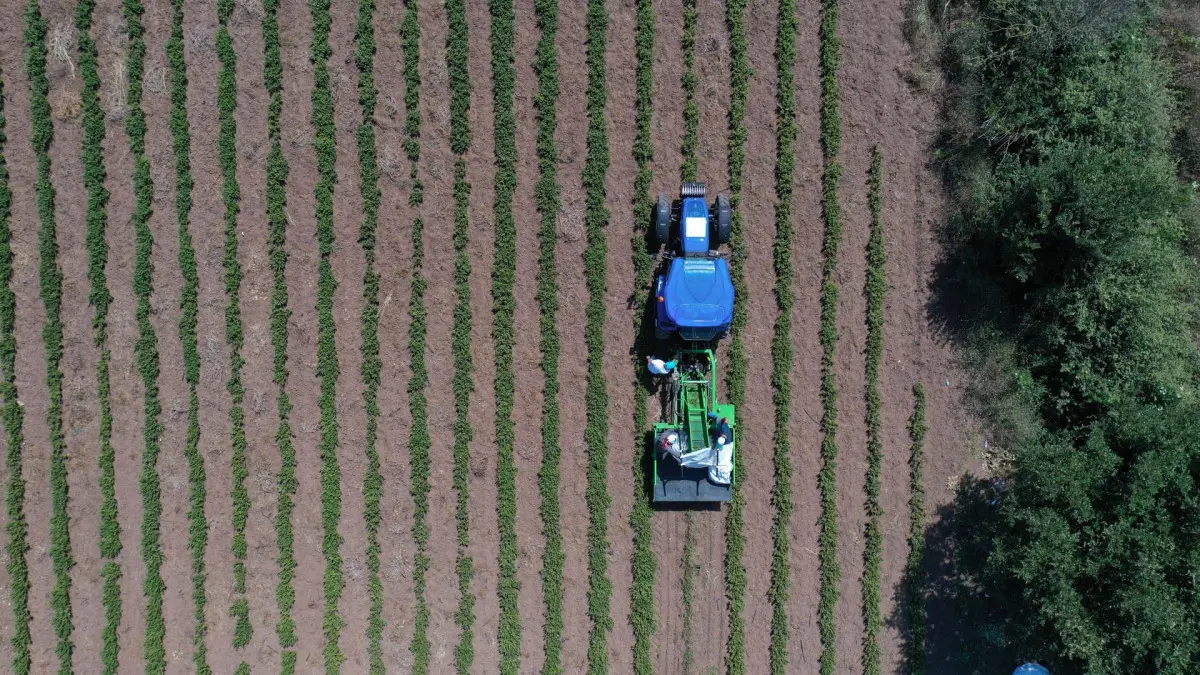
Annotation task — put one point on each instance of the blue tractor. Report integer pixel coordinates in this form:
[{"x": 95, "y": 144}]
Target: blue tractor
[{"x": 694, "y": 296}]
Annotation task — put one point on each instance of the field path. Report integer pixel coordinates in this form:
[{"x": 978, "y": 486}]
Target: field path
[
  {"x": 804, "y": 645},
  {"x": 348, "y": 265},
  {"x": 530, "y": 383},
  {"x": 393, "y": 259},
  {"x": 262, "y": 414},
  {"x": 295, "y": 26}
]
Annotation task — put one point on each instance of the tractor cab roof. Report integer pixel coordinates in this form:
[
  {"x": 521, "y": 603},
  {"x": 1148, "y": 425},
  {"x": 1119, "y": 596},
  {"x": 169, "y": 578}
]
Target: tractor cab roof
[{"x": 699, "y": 293}]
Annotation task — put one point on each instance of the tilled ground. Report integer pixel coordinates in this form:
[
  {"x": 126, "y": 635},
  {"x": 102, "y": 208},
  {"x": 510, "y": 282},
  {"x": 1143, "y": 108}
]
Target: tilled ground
[{"x": 878, "y": 107}]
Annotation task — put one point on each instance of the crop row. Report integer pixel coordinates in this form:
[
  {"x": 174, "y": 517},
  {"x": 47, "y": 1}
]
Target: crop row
[
  {"x": 234, "y": 334},
  {"x": 364, "y": 39},
  {"x": 189, "y": 307},
  {"x": 913, "y": 568},
  {"x": 503, "y": 308},
  {"x": 548, "y": 195},
  {"x": 94, "y": 176},
  {"x": 831, "y": 143},
  {"x": 735, "y": 537},
  {"x": 327, "y": 359},
  {"x": 17, "y": 528},
  {"x": 782, "y": 352},
  {"x": 645, "y": 564},
  {"x": 276, "y": 194},
  {"x": 418, "y": 404},
  {"x": 873, "y": 551},
  {"x": 460, "y": 140},
  {"x": 595, "y": 263},
  {"x": 50, "y": 279}
]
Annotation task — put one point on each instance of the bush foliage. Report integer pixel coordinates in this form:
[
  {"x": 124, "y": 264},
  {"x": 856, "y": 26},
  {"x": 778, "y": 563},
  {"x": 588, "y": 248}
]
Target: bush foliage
[{"x": 1076, "y": 241}]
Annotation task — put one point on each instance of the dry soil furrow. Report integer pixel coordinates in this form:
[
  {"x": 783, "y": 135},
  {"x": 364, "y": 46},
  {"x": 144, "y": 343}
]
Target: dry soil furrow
[
  {"x": 262, "y": 416},
  {"x": 667, "y": 133},
  {"x": 804, "y": 645},
  {"x": 348, "y": 265},
  {"x": 438, "y": 213},
  {"x": 30, "y": 317},
  {"x": 216, "y": 442},
  {"x": 572, "y": 298},
  {"x": 527, "y": 355},
  {"x": 710, "y": 612},
  {"x": 394, "y": 255},
  {"x": 295, "y": 28},
  {"x": 481, "y": 171},
  {"x": 81, "y": 408},
  {"x": 622, "y": 65},
  {"x": 756, "y": 419}
]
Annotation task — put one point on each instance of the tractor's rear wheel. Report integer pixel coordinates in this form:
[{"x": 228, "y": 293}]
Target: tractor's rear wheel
[
  {"x": 662, "y": 220},
  {"x": 724, "y": 219}
]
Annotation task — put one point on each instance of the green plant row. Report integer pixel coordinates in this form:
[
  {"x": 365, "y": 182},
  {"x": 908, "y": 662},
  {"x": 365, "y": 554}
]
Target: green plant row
[
  {"x": 548, "y": 194},
  {"x": 782, "y": 352},
  {"x": 50, "y": 279},
  {"x": 914, "y": 566},
  {"x": 418, "y": 404},
  {"x": 460, "y": 141},
  {"x": 688, "y": 589},
  {"x": 735, "y": 537},
  {"x": 234, "y": 334},
  {"x": 364, "y": 40},
  {"x": 595, "y": 263},
  {"x": 503, "y": 307},
  {"x": 276, "y": 193},
  {"x": 643, "y": 560},
  {"x": 327, "y": 359},
  {"x": 17, "y": 527},
  {"x": 831, "y": 143},
  {"x": 873, "y": 552},
  {"x": 189, "y": 308},
  {"x": 94, "y": 177}
]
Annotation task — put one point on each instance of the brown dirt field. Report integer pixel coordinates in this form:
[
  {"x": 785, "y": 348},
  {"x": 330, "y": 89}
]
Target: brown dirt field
[
  {"x": 572, "y": 299},
  {"x": 394, "y": 256},
  {"x": 622, "y": 67},
  {"x": 262, "y": 415},
  {"x": 527, "y": 355},
  {"x": 303, "y": 387}
]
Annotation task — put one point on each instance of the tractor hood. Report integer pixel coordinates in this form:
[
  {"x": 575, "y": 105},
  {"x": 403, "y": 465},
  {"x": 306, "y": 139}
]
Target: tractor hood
[{"x": 698, "y": 293}]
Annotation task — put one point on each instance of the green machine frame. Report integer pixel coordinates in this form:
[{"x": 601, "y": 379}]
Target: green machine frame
[{"x": 691, "y": 396}]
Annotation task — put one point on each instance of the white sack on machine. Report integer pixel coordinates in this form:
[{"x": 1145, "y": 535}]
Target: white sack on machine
[{"x": 718, "y": 461}]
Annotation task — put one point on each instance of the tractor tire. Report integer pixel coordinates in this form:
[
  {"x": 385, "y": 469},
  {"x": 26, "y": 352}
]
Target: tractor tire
[
  {"x": 724, "y": 219},
  {"x": 662, "y": 220}
]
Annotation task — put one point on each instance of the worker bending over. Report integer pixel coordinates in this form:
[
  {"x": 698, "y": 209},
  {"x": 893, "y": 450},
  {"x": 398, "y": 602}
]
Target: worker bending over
[{"x": 658, "y": 366}]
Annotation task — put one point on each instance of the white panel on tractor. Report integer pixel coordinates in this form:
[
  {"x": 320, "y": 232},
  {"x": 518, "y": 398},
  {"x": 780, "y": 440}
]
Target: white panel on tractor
[{"x": 695, "y": 228}]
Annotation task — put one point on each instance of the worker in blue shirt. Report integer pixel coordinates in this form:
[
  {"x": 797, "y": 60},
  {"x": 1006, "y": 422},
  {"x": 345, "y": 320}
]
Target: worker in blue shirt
[
  {"x": 658, "y": 366},
  {"x": 721, "y": 429}
]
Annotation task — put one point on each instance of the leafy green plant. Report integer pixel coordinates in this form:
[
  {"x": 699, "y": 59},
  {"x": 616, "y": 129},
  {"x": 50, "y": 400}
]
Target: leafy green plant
[
  {"x": 276, "y": 193},
  {"x": 782, "y": 352},
  {"x": 135, "y": 126},
  {"x": 735, "y": 537},
  {"x": 595, "y": 171},
  {"x": 94, "y": 177},
  {"x": 914, "y": 585},
  {"x": 503, "y": 306},
  {"x": 418, "y": 404},
  {"x": 364, "y": 39},
  {"x": 17, "y": 527},
  {"x": 234, "y": 334},
  {"x": 50, "y": 279},
  {"x": 831, "y": 143},
  {"x": 327, "y": 361},
  {"x": 644, "y": 562},
  {"x": 691, "y": 107},
  {"x": 876, "y": 290}
]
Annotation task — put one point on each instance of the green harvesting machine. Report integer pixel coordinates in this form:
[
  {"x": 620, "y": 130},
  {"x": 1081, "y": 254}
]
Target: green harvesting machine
[{"x": 689, "y": 464}]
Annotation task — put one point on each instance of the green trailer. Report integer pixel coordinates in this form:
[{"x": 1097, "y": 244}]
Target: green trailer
[{"x": 693, "y": 468}]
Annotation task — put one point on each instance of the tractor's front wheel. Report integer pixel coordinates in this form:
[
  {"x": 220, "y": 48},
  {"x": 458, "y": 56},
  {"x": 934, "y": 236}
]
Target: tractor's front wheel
[{"x": 662, "y": 220}]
